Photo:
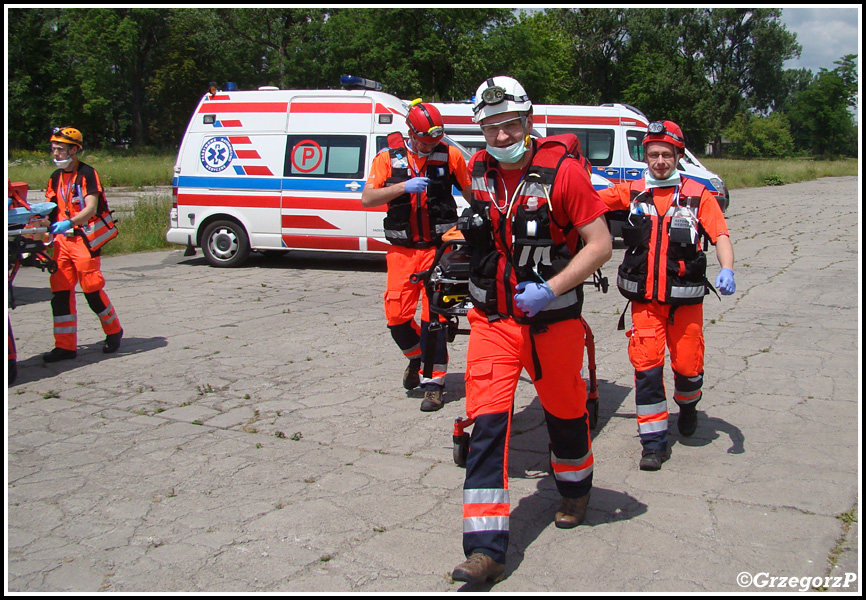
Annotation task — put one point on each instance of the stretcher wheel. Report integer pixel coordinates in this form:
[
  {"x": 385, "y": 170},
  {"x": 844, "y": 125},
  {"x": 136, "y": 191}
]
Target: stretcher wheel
[
  {"x": 461, "y": 449},
  {"x": 592, "y": 411}
]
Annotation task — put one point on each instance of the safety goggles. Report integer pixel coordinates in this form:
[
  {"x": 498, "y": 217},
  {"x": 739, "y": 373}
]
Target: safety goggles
[
  {"x": 434, "y": 132},
  {"x": 496, "y": 94},
  {"x": 510, "y": 127},
  {"x": 58, "y": 131}
]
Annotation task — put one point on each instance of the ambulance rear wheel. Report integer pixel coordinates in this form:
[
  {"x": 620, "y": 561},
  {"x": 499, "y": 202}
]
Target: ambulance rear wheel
[{"x": 225, "y": 244}]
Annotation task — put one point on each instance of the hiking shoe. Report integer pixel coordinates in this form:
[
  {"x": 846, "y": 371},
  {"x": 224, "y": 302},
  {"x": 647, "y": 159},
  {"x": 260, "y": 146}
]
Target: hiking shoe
[
  {"x": 572, "y": 512},
  {"x": 59, "y": 354},
  {"x": 112, "y": 342},
  {"x": 651, "y": 460},
  {"x": 479, "y": 568},
  {"x": 411, "y": 376},
  {"x": 432, "y": 399},
  {"x": 687, "y": 422}
]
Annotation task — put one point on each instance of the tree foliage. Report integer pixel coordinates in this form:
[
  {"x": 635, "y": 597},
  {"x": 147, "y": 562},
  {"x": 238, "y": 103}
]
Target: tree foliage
[{"x": 134, "y": 74}]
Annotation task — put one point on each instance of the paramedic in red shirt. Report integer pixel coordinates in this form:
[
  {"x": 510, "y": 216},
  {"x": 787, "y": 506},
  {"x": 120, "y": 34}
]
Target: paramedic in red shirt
[
  {"x": 532, "y": 208},
  {"x": 415, "y": 181},
  {"x": 76, "y": 190},
  {"x": 663, "y": 274}
]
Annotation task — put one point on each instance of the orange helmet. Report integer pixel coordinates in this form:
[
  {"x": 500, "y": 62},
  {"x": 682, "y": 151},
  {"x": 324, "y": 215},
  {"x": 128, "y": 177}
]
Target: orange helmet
[
  {"x": 425, "y": 122},
  {"x": 67, "y": 135},
  {"x": 665, "y": 131}
]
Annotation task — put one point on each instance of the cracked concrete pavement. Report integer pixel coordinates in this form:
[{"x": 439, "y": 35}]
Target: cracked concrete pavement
[{"x": 252, "y": 435}]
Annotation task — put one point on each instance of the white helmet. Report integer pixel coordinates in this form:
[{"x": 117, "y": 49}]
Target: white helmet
[{"x": 497, "y": 95}]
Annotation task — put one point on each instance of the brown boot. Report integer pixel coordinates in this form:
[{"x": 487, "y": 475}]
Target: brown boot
[
  {"x": 572, "y": 512},
  {"x": 432, "y": 399},
  {"x": 479, "y": 568}
]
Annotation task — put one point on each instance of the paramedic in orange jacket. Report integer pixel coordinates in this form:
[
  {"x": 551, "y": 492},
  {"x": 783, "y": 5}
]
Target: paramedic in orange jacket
[
  {"x": 76, "y": 190},
  {"x": 531, "y": 206},
  {"x": 664, "y": 275},
  {"x": 415, "y": 181}
]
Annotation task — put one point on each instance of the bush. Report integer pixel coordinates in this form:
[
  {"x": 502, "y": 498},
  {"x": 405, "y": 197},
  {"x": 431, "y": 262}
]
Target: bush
[{"x": 753, "y": 136}]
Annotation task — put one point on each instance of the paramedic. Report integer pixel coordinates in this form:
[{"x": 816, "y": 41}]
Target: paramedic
[
  {"x": 415, "y": 181},
  {"x": 663, "y": 274},
  {"x": 76, "y": 190},
  {"x": 528, "y": 212}
]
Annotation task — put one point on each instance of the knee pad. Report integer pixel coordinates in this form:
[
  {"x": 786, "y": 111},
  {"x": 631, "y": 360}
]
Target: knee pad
[{"x": 61, "y": 303}]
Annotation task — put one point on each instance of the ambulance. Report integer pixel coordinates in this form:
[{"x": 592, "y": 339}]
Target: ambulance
[
  {"x": 273, "y": 170},
  {"x": 611, "y": 137}
]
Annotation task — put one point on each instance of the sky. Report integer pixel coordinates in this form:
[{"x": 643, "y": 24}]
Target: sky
[{"x": 826, "y": 34}]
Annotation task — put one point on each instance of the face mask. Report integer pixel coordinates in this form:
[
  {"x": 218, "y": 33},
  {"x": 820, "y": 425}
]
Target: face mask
[
  {"x": 509, "y": 154},
  {"x": 416, "y": 151},
  {"x": 63, "y": 163},
  {"x": 671, "y": 181}
]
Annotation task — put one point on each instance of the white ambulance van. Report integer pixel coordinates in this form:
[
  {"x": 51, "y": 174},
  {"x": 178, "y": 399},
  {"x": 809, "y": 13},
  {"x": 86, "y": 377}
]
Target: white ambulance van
[
  {"x": 610, "y": 135},
  {"x": 275, "y": 170}
]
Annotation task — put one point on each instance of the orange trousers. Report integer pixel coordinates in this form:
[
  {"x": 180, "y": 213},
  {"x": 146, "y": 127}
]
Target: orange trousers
[
  {"x": 656, "y": 327},
  {"x": 401, "y": 304},
  {"x": 75, "y": 265},
  {"x": 497, "y": 354}
]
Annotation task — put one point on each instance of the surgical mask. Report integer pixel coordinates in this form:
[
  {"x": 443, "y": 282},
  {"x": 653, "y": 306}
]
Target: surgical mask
[
  {"x": 509, "y": 154},
  {"x": 652, "y": 182},
  {"x": 414, "y": 147},
  {"x": 63, "y": 163}
]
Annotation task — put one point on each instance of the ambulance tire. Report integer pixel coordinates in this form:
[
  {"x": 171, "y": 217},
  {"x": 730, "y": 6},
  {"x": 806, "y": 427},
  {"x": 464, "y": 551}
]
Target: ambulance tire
[{"x": 225, "y": 244}]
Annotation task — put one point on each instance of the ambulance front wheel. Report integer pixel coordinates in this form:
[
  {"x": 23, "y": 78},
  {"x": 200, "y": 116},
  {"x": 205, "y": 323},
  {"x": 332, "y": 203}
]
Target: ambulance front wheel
[{"x": 225, "y": 244}]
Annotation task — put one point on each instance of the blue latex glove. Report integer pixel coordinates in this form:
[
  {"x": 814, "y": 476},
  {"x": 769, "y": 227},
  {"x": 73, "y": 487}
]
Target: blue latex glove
[
  {"x": 533, "y": 297},
  {"x": 61, "y": 227},
  {"x": 725, "y": 282},
  {"x": 416, "y": 185}
]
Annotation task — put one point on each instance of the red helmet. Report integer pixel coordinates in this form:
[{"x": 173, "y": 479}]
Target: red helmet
[
  {"x": 665, "y": 131},
  {"x": 425, "y": 123}
]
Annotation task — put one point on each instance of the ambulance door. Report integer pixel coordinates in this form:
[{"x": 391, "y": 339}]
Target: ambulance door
[
  {"x": 324, "y": 172},
  {"x": 634, "y": 163}
]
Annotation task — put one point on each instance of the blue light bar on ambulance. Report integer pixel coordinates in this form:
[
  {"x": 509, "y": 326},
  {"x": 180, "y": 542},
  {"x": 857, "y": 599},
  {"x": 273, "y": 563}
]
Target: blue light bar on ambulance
[{"x": 351, "y": 82}]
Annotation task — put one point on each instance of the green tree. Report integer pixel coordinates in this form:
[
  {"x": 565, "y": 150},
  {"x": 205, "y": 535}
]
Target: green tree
[
  {"x": 820, "y": 117},
  {"x": 740, "y": 53},
  {"x": 431, "y": 53},
  {"x": 35, "y": 66},
  {"x": 755, "y": 136}
]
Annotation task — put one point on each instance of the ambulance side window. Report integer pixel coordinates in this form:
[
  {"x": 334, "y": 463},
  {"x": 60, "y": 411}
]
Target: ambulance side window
[
  {"x": 325, "y": 156},
  {"x": 596, "y": 144},
  {"x": 634, "y": 139}
]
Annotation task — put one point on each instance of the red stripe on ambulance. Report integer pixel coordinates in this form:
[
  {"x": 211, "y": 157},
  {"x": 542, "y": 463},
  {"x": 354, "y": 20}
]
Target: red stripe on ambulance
[
  {"x": 324, "y": 203},
  {"x": 331, "y": 107},
  {"x": 306, "y": 222},
  {"x": 243, "y": 107},
  {"x": 321, "y": 242},
  {"x": 233, "y": 200}
]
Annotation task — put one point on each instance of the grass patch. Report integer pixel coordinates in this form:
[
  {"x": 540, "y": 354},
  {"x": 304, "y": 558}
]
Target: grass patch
[
  {"x": 116, "y": 168},
  {"x": 143, "y": 229},
  {"x": 758, "y": 173}
]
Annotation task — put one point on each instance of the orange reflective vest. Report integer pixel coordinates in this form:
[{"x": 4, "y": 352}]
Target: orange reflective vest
[
  {"x": 524, "y": 243},
  {"x": 419, "y": 220},
  {"x": 664, "y": 260},
  {"x": 101, "y": 228}
]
